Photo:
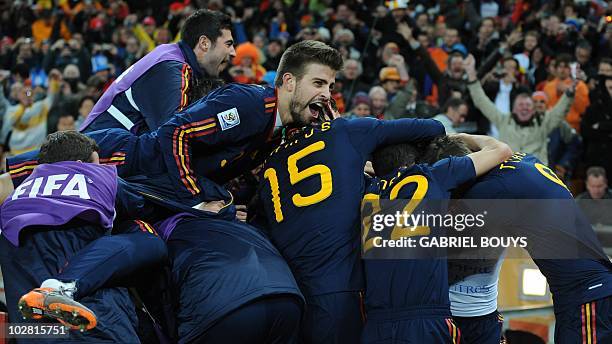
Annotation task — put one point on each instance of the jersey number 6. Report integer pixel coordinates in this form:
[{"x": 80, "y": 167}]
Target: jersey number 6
[{"x": 295, "y": 176}]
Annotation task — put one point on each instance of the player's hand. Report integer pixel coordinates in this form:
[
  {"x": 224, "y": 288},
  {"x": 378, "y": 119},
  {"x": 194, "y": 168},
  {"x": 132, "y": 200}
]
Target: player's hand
[
  {"x": 212, "y": 206},
  {"x": 369, "y": 169},
  {"x": 241, "y": 212},
  {"x": 560, "y": 171}
]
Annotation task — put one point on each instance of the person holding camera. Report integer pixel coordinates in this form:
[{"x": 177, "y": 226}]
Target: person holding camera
[
  {"x": 66, "y": 52},
  {"x": 554, "y": 89}
]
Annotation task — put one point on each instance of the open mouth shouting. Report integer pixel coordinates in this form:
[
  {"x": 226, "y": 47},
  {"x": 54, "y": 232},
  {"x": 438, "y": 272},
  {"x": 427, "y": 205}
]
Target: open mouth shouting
[{"x": 319, "y": 110}]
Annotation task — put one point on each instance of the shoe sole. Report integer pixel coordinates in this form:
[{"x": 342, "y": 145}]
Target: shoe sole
[{"x": 76, "y": 318}]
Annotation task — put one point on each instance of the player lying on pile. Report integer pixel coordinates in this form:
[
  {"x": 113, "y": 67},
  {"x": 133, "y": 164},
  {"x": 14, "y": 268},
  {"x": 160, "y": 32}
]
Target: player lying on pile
[{"x": 64, "y": 206}]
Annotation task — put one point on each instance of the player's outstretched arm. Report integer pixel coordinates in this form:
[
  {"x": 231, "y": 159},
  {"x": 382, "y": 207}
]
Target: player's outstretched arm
[
  {"x": 6, "y": 186},
  {"x": 488, "y": 152}
]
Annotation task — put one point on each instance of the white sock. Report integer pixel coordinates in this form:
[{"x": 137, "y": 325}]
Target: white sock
[{"x": 69, "y": 288}]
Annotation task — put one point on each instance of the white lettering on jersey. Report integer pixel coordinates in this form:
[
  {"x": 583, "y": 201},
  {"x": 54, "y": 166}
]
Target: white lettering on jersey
[
  {"x": 75, "y": 186},
  {"x": 52, "y": 185},
  {"x": 21, "y": 189}
]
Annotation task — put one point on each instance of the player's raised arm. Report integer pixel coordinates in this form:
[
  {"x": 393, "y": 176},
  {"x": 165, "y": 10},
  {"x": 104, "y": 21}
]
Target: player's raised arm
[
  {"x": 488, "y": 152},
  {"x": 367, "y": 134}
]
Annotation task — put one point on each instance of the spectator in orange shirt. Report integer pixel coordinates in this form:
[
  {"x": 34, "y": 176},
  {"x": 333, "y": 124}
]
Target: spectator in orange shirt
[
  {"x": 246, "y": 69},
  {"x": 554, "y": 90}
]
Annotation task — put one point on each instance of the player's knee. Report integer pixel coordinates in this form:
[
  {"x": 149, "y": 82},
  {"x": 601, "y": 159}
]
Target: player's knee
[
  {"x": 151, "y": 249},
  {"x": 157, "y": 249},
  {"x": 140, "y": 248}
]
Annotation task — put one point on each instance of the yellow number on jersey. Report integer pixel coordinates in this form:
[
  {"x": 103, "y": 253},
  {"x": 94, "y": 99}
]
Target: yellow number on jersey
[
  {"x": 270, "y": 175},
  {"x": 415, "y": 200},
  {"x": 295, "y": 176},
  {"x": 549, "y": 174},
  {"x": 374, "y": 200}
]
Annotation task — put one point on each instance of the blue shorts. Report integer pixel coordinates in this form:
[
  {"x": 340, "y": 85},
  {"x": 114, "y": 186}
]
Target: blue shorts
[
  {"x": 43, "y": 253},
  {"x": 484, "y": 329},
  {"x": 333, "y": 318},
  {"x": 415, "y": 326},
  {"x": 588, "y": 323}
]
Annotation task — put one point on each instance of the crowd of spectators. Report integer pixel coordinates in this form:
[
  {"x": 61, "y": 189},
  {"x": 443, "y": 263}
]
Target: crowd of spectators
[{"x": 498, "y": 67}]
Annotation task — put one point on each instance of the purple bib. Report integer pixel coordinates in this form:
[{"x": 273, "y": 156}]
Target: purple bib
[
  {"x": 164, "y": 52},
  {"x": 165, "y": 227},
  {"x": 56, "y": 193}
]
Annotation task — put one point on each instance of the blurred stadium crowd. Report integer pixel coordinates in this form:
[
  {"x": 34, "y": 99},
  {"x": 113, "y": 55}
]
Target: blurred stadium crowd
[{"x": 402, "y": 59}]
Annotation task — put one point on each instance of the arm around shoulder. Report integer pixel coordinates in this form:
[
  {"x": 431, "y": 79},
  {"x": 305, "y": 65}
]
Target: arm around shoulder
[{"x": 488, "y": 152}]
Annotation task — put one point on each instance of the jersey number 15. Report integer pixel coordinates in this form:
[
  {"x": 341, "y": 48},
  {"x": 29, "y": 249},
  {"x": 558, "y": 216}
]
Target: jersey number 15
[{"x": 295, "y": 176}]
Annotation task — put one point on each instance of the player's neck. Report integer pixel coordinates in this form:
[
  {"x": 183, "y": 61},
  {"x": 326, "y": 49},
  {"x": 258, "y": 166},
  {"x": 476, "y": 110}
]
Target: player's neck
[
  {"x": 283, "y": 112},
  {"x": 278, "y": 124}
]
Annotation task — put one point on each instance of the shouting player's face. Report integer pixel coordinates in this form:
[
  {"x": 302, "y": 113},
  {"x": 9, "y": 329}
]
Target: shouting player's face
[
  {"x": 218, "y": 55},
  {"x": 312, "y": 94}
]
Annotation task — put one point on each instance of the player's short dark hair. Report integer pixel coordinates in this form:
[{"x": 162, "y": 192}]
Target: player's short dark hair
[
  {"x": 596, "y": 172},
  {"x": 443, "y": 147},
  {"x": 66, "y": 146},
  {"x": 204, "y": 23},
  {"x": 387, "y": 159},
  {"x": 298, "y": 56}
]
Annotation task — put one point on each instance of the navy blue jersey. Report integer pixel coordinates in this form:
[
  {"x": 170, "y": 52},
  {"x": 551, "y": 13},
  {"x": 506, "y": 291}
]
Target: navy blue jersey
[
  {"x": 311, "y": 192},
  {"x": 572, "y": 281},
  {"x": 406, "y": 283},
  {"x": 218, "y": 137},
  {"x": 219, "y": 266},
  {"x": 115, "y": 144},
  {"x": 139, "y": 104}
]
